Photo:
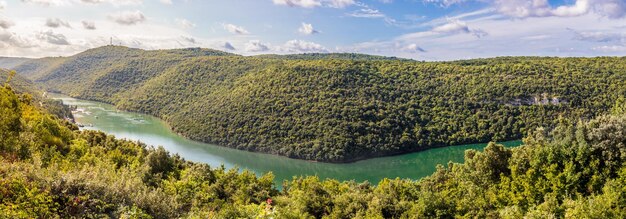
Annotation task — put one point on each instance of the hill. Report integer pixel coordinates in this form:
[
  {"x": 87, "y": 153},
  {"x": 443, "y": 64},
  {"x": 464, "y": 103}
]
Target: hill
[
  {"x": 340, "y": 110},
  {"x": 25, "y": 87},
  {"x": 18, "y": 82},
  {"x": 11, "y": 62},
  {"x": 330, "y": 56},
  {"x": 36, "y": 68},
  {"x": 49, "y": 169}
]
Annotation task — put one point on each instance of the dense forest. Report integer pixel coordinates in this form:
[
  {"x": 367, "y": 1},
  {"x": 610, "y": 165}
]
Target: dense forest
[
  {"x": 50, "y": 169},
  {"x": 337, "y": 107}
]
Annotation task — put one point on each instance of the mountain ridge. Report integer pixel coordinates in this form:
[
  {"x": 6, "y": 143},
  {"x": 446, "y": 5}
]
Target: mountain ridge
[{"x": 337, "y": 110}]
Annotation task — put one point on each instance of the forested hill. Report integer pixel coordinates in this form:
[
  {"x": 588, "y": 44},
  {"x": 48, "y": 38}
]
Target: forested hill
[
  {"x": 49, "y": 169},
  {"x": 126, "y": 67},
  {"x": 338, "y": 110},
  {"x": 21, "y": 85},
  {"x": 10, "y": 62},
  {"x": 18, "y": 82},
  {"x": 341, "y": 56}
]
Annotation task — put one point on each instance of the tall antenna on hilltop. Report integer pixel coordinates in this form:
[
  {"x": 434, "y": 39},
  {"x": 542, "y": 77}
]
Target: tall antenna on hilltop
[{"x": 111, "y": 41}]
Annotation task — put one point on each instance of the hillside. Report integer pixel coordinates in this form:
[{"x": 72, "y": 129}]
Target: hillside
[
  {"x": 21, "y": 85},
  {"x": 331, "y": 56},
  {"x": 340, "y": 110},
  {"x": 49, "y": 169},
  {"x": 36, "y": 68},
  {"x": 93, "y": 67},
  {"x": 11, "y": 62},
  {"x": 18, "y": 82}
]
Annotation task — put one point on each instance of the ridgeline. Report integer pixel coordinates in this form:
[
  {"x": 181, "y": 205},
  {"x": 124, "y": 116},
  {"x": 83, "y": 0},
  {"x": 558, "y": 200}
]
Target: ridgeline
[
  {"x": 49, "y": 169},
  {"x": 337, "y": 107}
]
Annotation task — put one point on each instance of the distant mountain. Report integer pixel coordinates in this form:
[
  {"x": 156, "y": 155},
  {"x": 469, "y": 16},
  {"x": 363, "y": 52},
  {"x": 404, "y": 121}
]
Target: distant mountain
[
  {"x": 337, "y": 107},
  {"x": 341, "y": 56},
  {"x": 11, "y": 62},
  {"x": 89, "y": 70}
]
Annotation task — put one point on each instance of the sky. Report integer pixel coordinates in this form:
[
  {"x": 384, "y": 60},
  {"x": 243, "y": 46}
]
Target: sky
[{"x": 430, "y": 30}]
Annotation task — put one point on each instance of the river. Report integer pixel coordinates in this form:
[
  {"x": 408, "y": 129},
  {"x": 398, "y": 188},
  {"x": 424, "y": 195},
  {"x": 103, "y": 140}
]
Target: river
[{"x": 153, "y": 131}]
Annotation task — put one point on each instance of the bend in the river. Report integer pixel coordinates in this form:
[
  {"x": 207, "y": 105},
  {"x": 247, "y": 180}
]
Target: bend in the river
[{"x": 153, "y": 131}]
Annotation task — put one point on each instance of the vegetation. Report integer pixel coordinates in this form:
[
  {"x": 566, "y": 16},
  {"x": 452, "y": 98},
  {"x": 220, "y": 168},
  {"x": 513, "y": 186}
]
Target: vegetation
[
  {"x": 10, "y": 62},
  {"x": 316, "y": 107},
  {"x": 21, "y": 85},
  {"x": 49, "y": 169},
  {"x": 331, "y": 56}
]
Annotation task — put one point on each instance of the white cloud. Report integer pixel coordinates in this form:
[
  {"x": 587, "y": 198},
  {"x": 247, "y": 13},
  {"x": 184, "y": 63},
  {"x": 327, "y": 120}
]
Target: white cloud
[
  {"x": 315, "y": 3},
  {"x": 537, "y": 37},
  {"x": 413, "y": 48},
  {"x": 114, "y": 2},
  {"x": 367, "y": 13},
  {"x": 299, "y": 3},
  {"x": 256, "y": 46},
  {"x": 340, "y": 3},
  {"x": 53, "y": 38},
  {"x": 579, "y": 8},
  {"x": 523, "y": 8},
  {"x": 235, "y": 29},
  {"x": 542, "y": 8},
  {"x": 187, "y": 41},
  {"x": 611, "y": 8},
  {"x": 453, "y": 26},
  {"x": 12, "y": 40},
  {"x": 51, "y": 3},
  {"x": 532, "y": 36},
  {"x": 610, "y": 49},
  {"x": 92, "y": 1},
  {"x": 445, "y": 38},
  {"x": 128, "y": 17},
  {"x": 3, "y": 5},
  {"x": 47, "y": 3},
  {"x": 299, "y": 46},
  {"x": 445, "y": 3},
  {"x": 56, "y": 23},
  {"x": 186, "y": 24},
  {"x": 6, "y": 23},
  {"x": 307, "y": 29},
  {"x": 167, "y": 2},
  {"x": 89, "y": 25},
  {"x": 25, "y": 42},
  {"x": 599, "y": 36}
]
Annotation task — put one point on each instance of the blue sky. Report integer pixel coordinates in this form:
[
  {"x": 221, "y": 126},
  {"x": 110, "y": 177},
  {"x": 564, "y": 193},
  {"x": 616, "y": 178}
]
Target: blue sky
[{"x": 418, "y": 29}]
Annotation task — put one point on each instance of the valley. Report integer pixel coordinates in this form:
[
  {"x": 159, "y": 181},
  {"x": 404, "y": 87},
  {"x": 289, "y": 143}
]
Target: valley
[
  {"x": 338, "y": 110},
  {"x": 152, "y": 131}
]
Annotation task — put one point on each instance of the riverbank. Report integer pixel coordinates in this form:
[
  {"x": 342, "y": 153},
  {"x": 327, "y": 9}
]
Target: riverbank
[{"x": 154, "y": 131}]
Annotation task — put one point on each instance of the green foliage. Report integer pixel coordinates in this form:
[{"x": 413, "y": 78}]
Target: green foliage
[
  {"x": 331, "y": 56},
  {"x": 339, "y": 107},
  {"x": 620, "y": 107},
  {"x": 576, "y": 170},
  {"x": 88, "y": 174},
  {"x": 18, "y": 83}
]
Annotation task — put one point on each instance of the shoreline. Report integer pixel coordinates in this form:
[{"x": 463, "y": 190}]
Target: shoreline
[{"x": 348, "y": 161}]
